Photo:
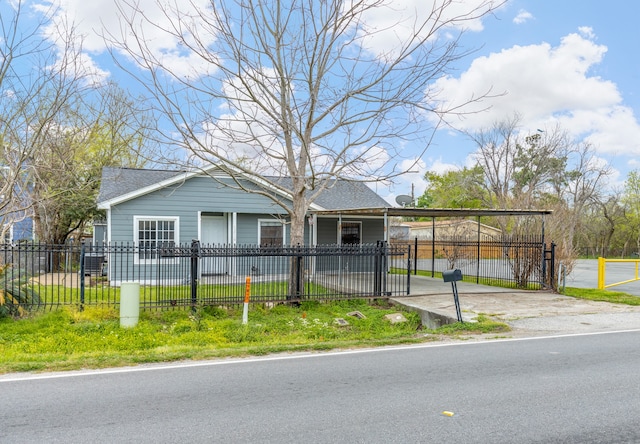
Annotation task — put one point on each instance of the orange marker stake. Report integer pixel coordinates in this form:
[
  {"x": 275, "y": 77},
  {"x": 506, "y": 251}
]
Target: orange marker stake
[{"x": 247, "y": 295}]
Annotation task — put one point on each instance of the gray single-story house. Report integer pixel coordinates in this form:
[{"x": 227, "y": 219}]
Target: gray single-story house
[{"x": 149, "y": 207}]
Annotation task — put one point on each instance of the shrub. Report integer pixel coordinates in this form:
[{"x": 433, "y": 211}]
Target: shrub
[{"x": 16, "y": 295}]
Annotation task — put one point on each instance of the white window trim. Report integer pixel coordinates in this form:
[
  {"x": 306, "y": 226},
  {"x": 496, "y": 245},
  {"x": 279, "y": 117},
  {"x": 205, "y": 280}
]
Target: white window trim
[
  {"x": 271, "y": 221},
  {"x": 136, "y": 239},
  {"x": 340, "y": 223}
]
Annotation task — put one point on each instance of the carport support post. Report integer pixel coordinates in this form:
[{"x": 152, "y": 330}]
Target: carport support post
[{"x": 433, "y": 247}]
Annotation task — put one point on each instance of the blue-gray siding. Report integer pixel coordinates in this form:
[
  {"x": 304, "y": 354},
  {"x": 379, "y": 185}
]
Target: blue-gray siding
[{"x": 187, "y": 200}]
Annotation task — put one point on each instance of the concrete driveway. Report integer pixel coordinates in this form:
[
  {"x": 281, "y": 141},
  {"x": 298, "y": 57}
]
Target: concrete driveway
[{"x": 528, "y": 313}]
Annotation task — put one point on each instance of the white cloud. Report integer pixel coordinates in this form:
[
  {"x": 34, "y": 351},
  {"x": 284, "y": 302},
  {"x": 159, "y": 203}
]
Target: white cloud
[
  {"x": 545, "y": 85},
  {"x": 393, "y": 22},
  {"x": 439, "y": 167},
  {"x": 587, "y": 32},
  {"x": 522, "y": 17},
  {"x": 96, "y": 19}
]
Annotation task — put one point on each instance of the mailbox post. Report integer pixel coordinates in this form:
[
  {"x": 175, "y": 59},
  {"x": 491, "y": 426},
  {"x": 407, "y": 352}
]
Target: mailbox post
[{"x": 454, "y": 276}]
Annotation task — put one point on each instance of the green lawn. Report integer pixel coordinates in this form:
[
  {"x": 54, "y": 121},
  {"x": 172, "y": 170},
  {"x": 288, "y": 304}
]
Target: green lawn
[
  {"x": 71, "y": 339},
  {"x": 592, "y": 294}
]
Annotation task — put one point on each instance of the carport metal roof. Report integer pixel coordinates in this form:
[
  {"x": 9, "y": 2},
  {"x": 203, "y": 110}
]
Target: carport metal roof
[
  {"x": 386, "y": 212},
  {"x": 430, "y": 212}
]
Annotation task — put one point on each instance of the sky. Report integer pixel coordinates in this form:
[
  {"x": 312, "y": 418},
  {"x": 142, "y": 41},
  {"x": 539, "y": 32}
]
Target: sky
[
  {"x": 568, "y": 62},
  {"x": 572, "y": 62}
]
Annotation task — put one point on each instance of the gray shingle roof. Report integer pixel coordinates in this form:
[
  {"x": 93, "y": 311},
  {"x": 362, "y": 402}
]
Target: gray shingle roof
[
  {"x": 120, "y": 181},
  {"x": 342, "y": 195}
]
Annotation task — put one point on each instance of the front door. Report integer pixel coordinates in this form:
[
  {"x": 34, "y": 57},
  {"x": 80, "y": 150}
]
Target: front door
[{"x": 213, "y": 232}]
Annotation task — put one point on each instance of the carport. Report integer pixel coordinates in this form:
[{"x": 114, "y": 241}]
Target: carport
[
  {"x": 433, "y": 213},
  {"x": 514, "y": 251}
]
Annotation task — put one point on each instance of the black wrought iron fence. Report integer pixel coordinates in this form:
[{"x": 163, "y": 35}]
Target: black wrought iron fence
[
  {"x": 49, "y": 276},
  {"x": 519, "y": 261}
]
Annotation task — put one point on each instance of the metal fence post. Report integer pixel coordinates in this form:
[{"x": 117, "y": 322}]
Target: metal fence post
[
  {"x": 195, "y": 253},
  {"x": 384, "y": 269},
  {"x": 82, "y": 271},
  {"x": 377, "y": 267},
  {"x": 409, "y": 267},
  {"x": 548, "y": 272},
  {"x": 299, "y": 273},
  {"x": 553, "y": 263}
]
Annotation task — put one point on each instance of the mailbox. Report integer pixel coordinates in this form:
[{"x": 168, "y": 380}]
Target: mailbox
[{"x": 452, "y": 275}]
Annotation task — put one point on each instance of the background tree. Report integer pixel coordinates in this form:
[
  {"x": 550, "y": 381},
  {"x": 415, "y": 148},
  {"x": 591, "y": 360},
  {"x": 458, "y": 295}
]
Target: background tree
[
  {"x": 58, "y": 125},
  {"x": 305, "y": 89},
  {"x": 602, "y": 227},
  {"x": 454, "y": 189},
  {"x": 67, "y": 166},
  {"x": 544, "y": 169},
  {"x": 577, "y": 186},
  {"x": 631, "y": 201}
]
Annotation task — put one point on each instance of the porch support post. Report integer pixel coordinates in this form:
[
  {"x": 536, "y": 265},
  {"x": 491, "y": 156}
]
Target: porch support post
[
  {"x": 385, "y": 236},
  {"x": 313, "y": 229},
  {"x": 234, "y": 228}
]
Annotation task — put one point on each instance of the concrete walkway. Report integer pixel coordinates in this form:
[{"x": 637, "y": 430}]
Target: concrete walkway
[{"x": 526, "y": 312}]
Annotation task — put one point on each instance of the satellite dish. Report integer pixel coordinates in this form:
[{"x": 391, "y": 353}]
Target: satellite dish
[{"x": 404, "y": 200}]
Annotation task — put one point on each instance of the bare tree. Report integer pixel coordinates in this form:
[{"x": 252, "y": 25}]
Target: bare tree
[
  {"x": 582, "y": 182},
  {"x": 497, "y": 148},
  {"x": 543, "y": 169},
  {"x": 520, "y": 169},
  {"x": 604, "y": 226},
  {"x": 302, "y": 89},
  {"x": 631, "y": 200},
  {"x": 22, "y": 52},
  {"x": 103, "y": 129},
  {"x": 58, "y": 125}
]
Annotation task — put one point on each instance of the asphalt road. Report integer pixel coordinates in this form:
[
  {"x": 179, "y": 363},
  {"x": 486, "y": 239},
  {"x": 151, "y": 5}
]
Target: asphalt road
[{"x": 572, "y": 389}]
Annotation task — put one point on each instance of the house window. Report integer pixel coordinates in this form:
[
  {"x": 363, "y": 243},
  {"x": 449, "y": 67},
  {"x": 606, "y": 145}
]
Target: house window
[
  {"x": 151, "y": 234},
  {"x": 351, "y": 233},
  {"x": 270, "y": 233}
]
